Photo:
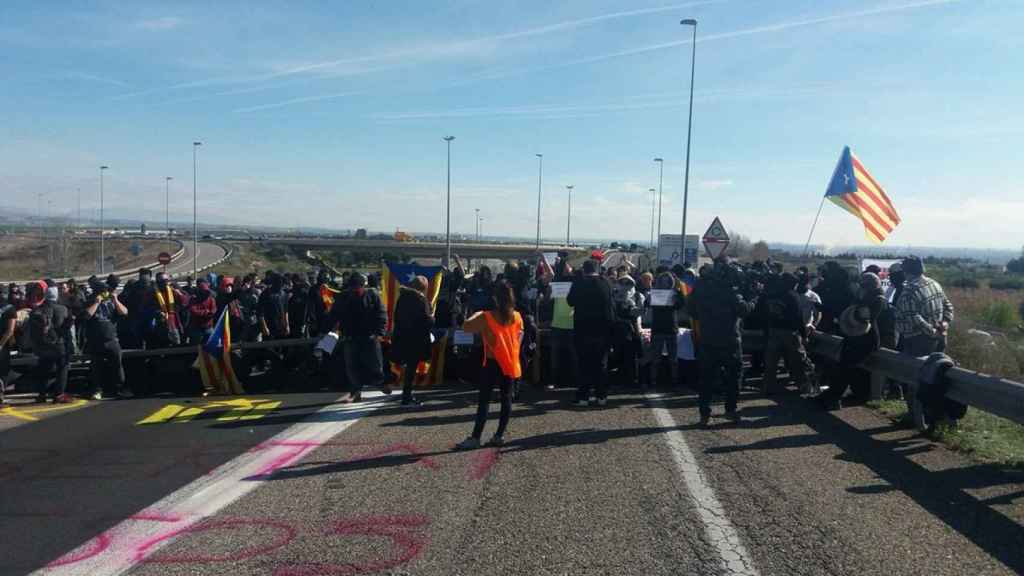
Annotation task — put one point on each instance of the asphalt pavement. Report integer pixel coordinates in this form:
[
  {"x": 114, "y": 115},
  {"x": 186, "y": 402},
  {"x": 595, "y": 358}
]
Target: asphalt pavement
[{"x": 295, "y": 484}]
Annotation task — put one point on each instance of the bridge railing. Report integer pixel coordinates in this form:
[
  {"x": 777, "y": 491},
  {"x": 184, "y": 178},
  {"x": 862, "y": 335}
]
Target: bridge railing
[{"x": 991, "y": 394}]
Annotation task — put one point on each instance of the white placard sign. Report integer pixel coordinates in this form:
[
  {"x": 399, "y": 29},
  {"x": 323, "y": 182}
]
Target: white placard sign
[
  {"x": 551, "y": 258},
  {"x": 560, "y": 289},
  {"x": 661, "y": 297},
  {"x": 463, "y": 338}
]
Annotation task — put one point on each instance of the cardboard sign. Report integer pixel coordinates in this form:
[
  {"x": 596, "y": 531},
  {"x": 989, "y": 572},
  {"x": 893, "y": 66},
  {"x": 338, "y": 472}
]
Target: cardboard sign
[
  {"x": 560, "y": 289},
  {"x": 550, "y": 258},
  {"x": 661, "y": 297},
  {"x": 463, "y": 338}
]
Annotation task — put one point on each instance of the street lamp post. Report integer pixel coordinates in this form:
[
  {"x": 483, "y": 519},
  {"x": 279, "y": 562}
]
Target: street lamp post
[
  {"x": 167, "y": 209},
  {"x": 689, "y": 126},
  {"x": 540, "y": 176},
  {"x": 661, "y": 180},
  {"x": 195, "y": 212},
  {"x": 448, "y": 211},
  {"x": 653, "y": 207},
  {"x": 102, "y": 250},
  {"x": 568, "y": 219},
  {"x": 477, "y": 225}
]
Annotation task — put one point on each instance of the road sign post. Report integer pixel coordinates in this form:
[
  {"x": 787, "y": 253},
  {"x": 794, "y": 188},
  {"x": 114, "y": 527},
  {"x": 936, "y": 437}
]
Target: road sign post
[
  {"x": 716, "y": 239},
  {"x": 164, "y": 258}
]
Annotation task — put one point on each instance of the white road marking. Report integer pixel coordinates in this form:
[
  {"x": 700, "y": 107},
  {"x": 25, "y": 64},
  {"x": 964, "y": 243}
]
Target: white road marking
[
  {"x": 717, "y": 528},
  {"x": 136, "y": 538}
]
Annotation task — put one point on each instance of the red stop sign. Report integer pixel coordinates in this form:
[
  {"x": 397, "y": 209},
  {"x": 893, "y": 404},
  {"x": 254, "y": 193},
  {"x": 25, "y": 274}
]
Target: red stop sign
[{"x": 164, "y": 258}]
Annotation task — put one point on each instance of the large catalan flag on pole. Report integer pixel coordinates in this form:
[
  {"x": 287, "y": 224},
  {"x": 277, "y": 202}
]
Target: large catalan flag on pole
[
  {"x": 214, "y": 360},
  {"x": 393, "y": 277},
  {"x": 853, "y": 189}
]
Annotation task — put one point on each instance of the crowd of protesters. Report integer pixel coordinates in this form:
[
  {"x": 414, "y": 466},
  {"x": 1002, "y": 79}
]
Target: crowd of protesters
[{"x": 615, "y": 326}]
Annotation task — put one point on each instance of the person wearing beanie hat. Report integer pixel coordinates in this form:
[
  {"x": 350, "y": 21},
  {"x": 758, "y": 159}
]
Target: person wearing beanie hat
[
  {"x": 896, "y": 278},
  {"x": 49, "y": 326},
  {"x": 360, "y": 314},
  {"x": 923, "y": 312}
]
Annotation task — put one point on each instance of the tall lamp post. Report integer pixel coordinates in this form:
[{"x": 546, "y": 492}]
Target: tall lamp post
[
  {"x": 477, "y": 224},
  {"x": 102, "y": 250},
  {"x": 661, "y": 180},
  {"x": 448, "y": 211},
  {"x": 195, "y": 212},
  {"x": 689, "y": 126},
  {"x": 167, "y": 208},
  {"x": 653, "y": 207},
  {"x": 568, "y": 219},
  {"x": 540, "y": 176}
]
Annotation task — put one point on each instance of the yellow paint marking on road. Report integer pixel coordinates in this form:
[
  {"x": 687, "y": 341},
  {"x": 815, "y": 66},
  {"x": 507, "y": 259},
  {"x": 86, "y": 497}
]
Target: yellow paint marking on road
[
  {"x": 238, "y": 409},
  {"x": 29, "y": 414},
  {"x": 17, "y": 414},
  {"x": 165, "y": 414}
]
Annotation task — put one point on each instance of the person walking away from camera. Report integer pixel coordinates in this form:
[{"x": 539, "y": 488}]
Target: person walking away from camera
[
  {"x": 8, "y": 328},
  {"x": 785, "y": 332},
  {"x": 664, "y": 330},
  {"x": 299, "y": 308},
  {"x": 363, "y": 320},
  {"x": 106, "y": 370},
  {"x": 836, "y": 296},
  {"x": 719, "y": 307},
  {"x": 923, "y": 312},
  {"x": 410, "y": 337},
  {"x": 49, "y": 326},
  {"x": 865, "y": 325},
  {"x": 202, "y": 313},
  {"x": 626, "y": 334},
  {"x": 593, "y": 316},
  {"x": 501, "y": 331}
]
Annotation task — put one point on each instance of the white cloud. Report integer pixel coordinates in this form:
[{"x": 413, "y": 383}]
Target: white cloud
[
  {"x": 162, "y": 23},
  {"x": 713, "y": 185}
]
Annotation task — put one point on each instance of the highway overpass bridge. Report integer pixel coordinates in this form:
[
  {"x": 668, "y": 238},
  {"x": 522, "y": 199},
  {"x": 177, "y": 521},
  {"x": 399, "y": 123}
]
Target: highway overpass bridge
[{"x": 416, "y": 249}]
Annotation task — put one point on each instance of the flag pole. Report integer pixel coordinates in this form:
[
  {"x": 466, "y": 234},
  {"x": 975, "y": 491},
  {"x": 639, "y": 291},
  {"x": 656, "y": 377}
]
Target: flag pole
[{"x": 815, "y": 225}]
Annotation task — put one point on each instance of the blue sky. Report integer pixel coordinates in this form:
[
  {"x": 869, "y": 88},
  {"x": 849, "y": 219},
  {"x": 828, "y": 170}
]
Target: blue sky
[{"x": 332, "y": 114}]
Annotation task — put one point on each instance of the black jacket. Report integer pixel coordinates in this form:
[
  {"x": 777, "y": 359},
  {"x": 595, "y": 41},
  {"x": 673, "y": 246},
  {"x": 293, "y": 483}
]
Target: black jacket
[
  {"x": 781, "y": 311},
  {"x": 720, "y": 310},
  {"x": 593, "y": 312},
  {"x": 410, "y": 337},
  {"x": 360, "y": 314}
]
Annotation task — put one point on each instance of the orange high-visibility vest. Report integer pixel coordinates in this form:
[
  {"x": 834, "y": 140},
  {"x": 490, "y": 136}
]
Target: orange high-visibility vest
[{"x": 506, "y": 344}]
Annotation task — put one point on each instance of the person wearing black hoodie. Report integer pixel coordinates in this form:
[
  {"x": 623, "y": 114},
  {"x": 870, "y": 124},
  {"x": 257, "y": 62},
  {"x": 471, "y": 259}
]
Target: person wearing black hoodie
[
  {"x": 363, "y": 320},
  {"x": 785, "y": 332},
  {"x": 410, "y": 336},
  {"x": 594, "y": 316}
]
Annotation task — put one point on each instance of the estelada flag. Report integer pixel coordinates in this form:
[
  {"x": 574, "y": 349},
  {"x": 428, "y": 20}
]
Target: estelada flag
[
  {"x": 214, "y": 361},
  {"x": 393, "y": 277},
  {"x": 853, "y": 189}
]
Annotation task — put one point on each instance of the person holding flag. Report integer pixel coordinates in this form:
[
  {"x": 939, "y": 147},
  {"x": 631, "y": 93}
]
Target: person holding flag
[
  {"x": 411, "y": 335},
  {"x": 214, "y": 361}
]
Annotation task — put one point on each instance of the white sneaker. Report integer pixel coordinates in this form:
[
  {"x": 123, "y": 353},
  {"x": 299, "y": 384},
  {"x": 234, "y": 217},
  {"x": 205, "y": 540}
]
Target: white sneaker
[
  {"x": 97, "y": 396},
  {"x": 602, "y": 401}
]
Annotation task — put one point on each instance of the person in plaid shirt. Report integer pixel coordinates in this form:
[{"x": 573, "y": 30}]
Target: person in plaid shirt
[{"x": 923, "y": 313}]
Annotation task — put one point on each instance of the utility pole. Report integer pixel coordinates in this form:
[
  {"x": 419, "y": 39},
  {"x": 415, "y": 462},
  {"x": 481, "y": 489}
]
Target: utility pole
[
  {"x": 568, "y": 219},
  {"x": 448, "y": 211}
]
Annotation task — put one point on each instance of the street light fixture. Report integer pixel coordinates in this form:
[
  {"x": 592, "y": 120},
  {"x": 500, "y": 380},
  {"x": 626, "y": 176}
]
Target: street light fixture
[
  {"x": 661, "y": 179},
  {"x": 195, "y": 213},
  {"x": 102, "y": 251},
  {"x": 540, "y": 176},
  {"x": 167, "y": 209},
  {"x": 448, "y": 211},
  {"x": 653, "y": 206},
  {"x": 689, "y": 126},
  {"x": 568, "y": 220},
  {"x": 477, "y": 225}
]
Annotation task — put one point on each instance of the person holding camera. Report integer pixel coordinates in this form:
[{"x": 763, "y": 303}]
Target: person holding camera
[
  {"x": 719, "y": 306},
  {"x": 102, "y": 310}
]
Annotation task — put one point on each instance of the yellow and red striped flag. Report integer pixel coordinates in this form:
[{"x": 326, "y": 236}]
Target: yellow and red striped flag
[
  {"x": 393, "y": 277},
  {"x": 853, "y": 189}
]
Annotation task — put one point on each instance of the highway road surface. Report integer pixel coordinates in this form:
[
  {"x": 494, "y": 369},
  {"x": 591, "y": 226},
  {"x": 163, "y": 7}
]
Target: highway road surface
[
  {"x": 208, "y": 254},
  {"x": 295, "y": 484}
]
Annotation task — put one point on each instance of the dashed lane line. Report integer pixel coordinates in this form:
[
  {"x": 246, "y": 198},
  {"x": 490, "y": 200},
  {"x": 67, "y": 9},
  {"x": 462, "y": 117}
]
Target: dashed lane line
[{"x": 718, "y": 530}]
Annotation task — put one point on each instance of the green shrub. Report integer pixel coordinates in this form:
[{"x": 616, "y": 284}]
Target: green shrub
[
  {"x": 1001, "y": 314},
  {"x": 966, "y": 282},
  {"x": 1007, "y": 283}
]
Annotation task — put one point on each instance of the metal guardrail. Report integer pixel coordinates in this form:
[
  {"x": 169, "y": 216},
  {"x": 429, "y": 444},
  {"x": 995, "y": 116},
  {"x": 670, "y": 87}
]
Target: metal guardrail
[{"x": 991, "y": 394}]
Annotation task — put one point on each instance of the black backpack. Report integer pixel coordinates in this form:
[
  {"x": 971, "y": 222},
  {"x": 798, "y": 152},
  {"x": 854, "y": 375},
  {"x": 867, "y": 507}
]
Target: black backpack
[{"x": 42, "y": 332}]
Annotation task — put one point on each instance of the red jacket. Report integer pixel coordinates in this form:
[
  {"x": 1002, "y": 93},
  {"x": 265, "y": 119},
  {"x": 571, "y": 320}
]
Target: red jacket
[{"x": 202, "y": 313}]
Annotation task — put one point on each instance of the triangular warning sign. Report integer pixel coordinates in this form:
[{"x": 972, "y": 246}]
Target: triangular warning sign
[{"x": 716, "y": 239}]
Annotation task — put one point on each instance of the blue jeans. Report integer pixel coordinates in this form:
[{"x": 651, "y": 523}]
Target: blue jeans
[{"x": 364, "y": 363}]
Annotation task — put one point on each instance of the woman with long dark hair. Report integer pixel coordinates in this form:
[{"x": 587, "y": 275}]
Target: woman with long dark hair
[
  {"x": 501, "y": 331},
  {"x": 410, "y": 339}
]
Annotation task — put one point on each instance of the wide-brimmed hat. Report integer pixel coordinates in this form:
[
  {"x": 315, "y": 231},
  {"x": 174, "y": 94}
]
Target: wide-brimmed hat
[{"x": 855, "y": 321}]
